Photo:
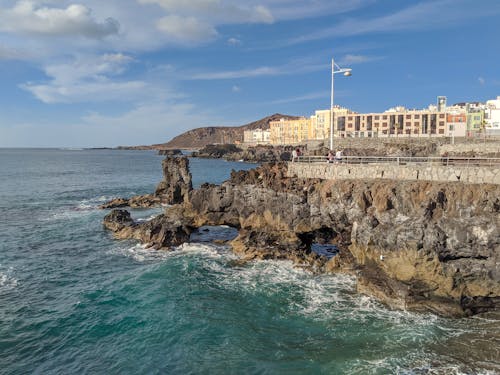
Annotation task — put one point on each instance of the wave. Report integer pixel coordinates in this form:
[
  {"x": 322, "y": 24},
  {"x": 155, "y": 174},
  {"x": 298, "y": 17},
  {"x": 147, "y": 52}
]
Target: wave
[
  {"x": 143, "y": 253},
  {"x": 7, "y": 280}
]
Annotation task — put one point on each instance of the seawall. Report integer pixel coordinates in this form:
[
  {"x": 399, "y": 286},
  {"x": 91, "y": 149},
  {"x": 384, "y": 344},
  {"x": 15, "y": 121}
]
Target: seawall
[{"x": 425, "y": 172}]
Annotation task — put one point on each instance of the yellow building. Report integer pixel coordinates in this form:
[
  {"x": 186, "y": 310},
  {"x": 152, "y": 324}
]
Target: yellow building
[{"x": 289, "y": 132}]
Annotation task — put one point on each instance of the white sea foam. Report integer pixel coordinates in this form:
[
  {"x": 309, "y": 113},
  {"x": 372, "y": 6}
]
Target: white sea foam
[
  {"x": 7, "y": 279},
  {"x": 141, "y": 253}
]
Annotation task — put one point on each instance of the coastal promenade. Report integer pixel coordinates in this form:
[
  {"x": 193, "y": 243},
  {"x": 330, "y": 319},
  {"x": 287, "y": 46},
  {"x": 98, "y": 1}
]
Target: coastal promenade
[{"x": 439, "y": 169}]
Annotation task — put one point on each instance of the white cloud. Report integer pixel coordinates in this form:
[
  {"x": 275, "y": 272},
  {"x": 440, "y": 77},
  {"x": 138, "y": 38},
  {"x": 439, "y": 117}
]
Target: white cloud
[
  {"x": 310, "y": 96},
  {"x": 219, "y": 11},
  {"x": 186, "y": 30},
  {"x": 481, "y": 81},
  {"x": 422, "y": 16},
  {"x": 234, "y": 42},
  {"x": 294, "y": 67},
  {"x": 25, "y": 17},
  {"x": 236, "y": 88},
  {"x": 350, "y": 59},
  {"x": 87, "y": 91},
  {"x": 300, "y": 9},
  {"x": 89, "y": 78}
]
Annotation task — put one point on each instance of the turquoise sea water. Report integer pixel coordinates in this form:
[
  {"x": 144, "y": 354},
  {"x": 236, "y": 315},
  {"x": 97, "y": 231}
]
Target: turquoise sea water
[{"x": 74, "y": 300}]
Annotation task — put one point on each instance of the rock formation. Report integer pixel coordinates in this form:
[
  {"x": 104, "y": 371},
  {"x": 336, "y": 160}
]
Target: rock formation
[
  {"x": 415, "y": 245},
  {"x": 173, "y": 189}
]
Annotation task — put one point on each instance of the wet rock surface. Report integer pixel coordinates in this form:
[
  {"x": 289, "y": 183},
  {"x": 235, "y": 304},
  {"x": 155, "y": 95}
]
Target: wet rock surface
[{"x": 415, "y": 245}]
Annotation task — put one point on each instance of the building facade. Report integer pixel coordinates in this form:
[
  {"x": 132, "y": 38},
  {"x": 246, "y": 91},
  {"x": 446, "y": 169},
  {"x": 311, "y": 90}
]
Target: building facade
[
  {"x": 397, "y": 123},
  {"x": 289, "y": 132},
  {"x": 492, "y": 114},
  {"x": 256, "y": 137}
]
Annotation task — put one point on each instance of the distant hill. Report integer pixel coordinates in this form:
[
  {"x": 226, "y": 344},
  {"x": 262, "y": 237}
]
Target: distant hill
[{"x": 200, "y": 137}]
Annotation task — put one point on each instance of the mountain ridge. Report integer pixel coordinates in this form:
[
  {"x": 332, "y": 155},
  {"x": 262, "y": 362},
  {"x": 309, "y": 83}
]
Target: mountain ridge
[{"x": 203, "y": 136}]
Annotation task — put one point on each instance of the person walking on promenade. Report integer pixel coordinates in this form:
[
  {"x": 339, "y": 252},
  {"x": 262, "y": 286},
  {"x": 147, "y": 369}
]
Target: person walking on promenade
[
  {"x": 294, "y": 155},
  {"x": 330, "y": 157},
  {"x": 338, "y": 156}
]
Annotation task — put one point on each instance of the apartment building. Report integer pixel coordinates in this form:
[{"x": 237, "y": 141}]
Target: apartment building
[
  {"x": 320, "y": 122},
  {"x": 289, "y": 132},
  {"x": 399, "y": 122}
]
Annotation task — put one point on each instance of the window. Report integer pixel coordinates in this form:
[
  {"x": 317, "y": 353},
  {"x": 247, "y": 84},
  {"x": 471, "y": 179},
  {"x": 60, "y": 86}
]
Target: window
[
  {"x": 441, "y": 131},
  {"x": 384, "y": 124},
  {"x": 377, "y": 117},
  {"x": 408, "y": 123},
  {"x": 384, "y": 117},
  {"x": 416, "y": 116},
  {"x": 441, "y": 123},
  {"x": 441, "y": 115},
  {"x": 408, "y": 117}
]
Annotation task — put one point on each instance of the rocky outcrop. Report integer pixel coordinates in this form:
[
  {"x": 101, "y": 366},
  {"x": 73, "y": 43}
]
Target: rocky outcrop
[
  {"x": 253, "y": 154},
  {"x": 177, "y": 181},
  {"x": 164, "y": 231},
  {"x": 173, "y": 189},
  {"x": 412, "y": 244}
]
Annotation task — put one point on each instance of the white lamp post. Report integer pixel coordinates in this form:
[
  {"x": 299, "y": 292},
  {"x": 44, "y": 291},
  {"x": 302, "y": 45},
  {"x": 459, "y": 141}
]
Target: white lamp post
[{"x": 347, "y": 73}]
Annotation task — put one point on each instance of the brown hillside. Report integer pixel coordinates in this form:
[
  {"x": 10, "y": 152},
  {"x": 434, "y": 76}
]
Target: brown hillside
[{"x": 200, "y": 137}]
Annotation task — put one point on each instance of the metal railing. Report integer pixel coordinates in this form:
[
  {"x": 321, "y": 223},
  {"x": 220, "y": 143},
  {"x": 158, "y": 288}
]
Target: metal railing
[{"x": 404, "y": 160}]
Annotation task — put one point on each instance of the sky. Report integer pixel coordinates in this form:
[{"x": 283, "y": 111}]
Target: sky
[{"x": 103, "y": 73}]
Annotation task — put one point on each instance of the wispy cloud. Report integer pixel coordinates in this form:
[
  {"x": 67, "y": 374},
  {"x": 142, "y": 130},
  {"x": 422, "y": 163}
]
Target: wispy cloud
[
  {"x": 481, "y": 81},
  {"x": 422, "y": 16},
  {"x": 295, "y": 67},
  {"x": 350, "y": 59},
  {"x": 301, "y": 98}
]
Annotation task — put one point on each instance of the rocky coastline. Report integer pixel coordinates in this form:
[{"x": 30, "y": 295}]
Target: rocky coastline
[{"x": 412, "y": 244}]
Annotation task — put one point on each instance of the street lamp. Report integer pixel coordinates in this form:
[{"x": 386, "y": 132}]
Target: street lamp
[{"x": 347, "y": 73}]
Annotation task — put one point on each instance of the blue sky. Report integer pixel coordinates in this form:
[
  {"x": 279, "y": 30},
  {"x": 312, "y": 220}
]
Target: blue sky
[{"x": 92, "y": 73}]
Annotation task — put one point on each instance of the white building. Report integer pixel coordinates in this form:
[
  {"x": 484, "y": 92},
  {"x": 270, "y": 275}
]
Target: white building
[
  {"x": 492, "y": 114},
  {"x": 257, "y": 136}
]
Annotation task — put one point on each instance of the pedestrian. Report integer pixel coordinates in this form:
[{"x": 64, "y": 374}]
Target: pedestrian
[
  {"x": 330, "y": 157},
  {"x": 294, "y": 155},
  {"x": 338, "y": 156}
]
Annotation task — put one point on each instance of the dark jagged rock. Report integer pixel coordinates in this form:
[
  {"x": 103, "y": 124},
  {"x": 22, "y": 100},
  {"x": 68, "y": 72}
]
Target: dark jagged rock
[
  {"x": 413, "y": 244},
  {"x": 117, "y": 220},
  {"x": 138, "y": 201},
  {"x": 216, "y": 151},
  {"x": 164, "y": 231},
  {"x": 173, "y": 189},
  {"x": 177, "y": 181}
]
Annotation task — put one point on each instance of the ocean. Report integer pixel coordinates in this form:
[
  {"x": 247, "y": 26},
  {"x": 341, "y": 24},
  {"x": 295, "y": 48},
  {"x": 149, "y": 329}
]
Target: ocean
[{"x": 75, "y": 300}]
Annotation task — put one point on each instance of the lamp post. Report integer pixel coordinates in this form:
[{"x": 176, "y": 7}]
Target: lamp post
[{"x": 347, "y": 73}]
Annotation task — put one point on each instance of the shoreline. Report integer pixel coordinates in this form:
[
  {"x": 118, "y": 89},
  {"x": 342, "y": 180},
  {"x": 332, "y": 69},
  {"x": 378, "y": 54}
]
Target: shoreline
[{"x": 431, "y": 267}]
